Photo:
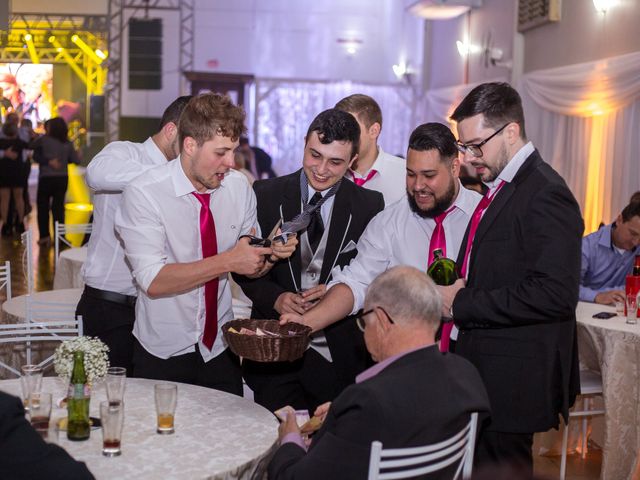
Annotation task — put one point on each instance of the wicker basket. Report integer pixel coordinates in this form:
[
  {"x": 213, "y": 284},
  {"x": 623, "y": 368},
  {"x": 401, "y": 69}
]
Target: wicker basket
[{"x": 267, "y": 349}]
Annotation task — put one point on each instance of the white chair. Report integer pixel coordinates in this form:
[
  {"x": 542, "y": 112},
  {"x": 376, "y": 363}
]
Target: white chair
[
  {"x": 590, "y": 386},
  {"x": 45, "y": 322},
  {"x": 413, "y": 461},
  {"x": 27, "y": 258},
  {"x": 61, "y": 230},
  {"x": 5, "y": 278}
]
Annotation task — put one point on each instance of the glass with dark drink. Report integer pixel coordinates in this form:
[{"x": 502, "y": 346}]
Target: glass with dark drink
[
  {"x": 40, "y": 412},
  {"x": 112, "y": 419}
]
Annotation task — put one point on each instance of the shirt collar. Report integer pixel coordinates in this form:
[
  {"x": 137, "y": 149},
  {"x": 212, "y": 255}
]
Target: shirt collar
[
  {"x": 510, "y": 170},
  {"x": 312, "y": 192},
  {"x": 605, "y": 236},
  {"x": 465, "y": 200},
  {"x": 379, "y": 165},
  {"x": 154, "y": 152},
  {"x": 378, "y": 367},
  {"x": 181, "y": 184}
]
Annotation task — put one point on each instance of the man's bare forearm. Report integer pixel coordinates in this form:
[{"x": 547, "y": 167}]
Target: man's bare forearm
[
  {"x": 176, "y": 278},
  {"x": 336, "y": 304}
]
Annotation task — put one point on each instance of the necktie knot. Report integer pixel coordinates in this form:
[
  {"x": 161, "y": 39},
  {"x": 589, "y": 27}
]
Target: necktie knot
[
  {"x": 361, "y": 181},
  {"x": 203, "y": 198},
  {"x": 316, "y": 198},
  {"x": 440, "y": 218}
]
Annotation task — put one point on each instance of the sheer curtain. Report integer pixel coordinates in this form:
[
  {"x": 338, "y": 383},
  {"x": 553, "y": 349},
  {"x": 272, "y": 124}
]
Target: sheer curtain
[
  {"x": 286, "y": 108},
  {"x": 585, "y": 120}
]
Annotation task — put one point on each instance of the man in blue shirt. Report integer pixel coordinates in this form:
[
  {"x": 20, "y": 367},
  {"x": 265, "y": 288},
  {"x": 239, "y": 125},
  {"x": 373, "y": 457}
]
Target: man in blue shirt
[{"x": 607, "y": 257}]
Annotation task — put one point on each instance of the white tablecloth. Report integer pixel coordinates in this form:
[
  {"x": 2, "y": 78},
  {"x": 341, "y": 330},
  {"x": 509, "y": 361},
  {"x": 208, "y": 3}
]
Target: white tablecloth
[
  {"x": 14, "y": 311},
  {"x": 69, "y": 268},
  {"x": 218, "y": 435},
  {"x": 613, "y": 347}
]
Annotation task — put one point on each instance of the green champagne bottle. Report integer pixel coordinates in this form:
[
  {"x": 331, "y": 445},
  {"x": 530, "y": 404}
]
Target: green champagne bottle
[
  {"x": 442, "y": 270},
  {"x": 78, "y": 398}
]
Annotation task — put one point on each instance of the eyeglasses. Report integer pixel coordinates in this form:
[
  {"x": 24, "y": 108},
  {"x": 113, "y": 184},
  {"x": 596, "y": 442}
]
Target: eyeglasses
[
  {"x": 474, "y": 149},
  {"x": 360, "y": 318}
]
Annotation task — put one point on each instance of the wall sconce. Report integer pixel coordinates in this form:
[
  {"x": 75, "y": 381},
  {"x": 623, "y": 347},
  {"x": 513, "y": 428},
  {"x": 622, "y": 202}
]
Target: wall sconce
[
  {"x": 403, "y": 71},
  {"x": 465, "y": 48},
  {"x": 603, "y": 5},
  {"x": 350, "y": 45}
]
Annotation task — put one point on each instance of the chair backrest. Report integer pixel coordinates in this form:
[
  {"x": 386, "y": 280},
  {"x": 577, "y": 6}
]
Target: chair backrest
[
  {"x": 27, "y": 258},
  {"x": 5, "y": 278},
  {"x": 61, "y": 230},
  {"x": 411, "y": 462},
  {"x": 45, "y": 322}
]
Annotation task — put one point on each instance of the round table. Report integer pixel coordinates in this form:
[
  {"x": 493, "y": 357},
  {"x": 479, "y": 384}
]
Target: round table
[
  {"x": 218, "y": 435},
  {"x": 69, "y": 268},
  {"x": 613, "y": 347},
  {"x": 14, "y": 311}
]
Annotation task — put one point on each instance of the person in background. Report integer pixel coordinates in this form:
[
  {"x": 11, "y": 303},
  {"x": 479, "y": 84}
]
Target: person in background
[
  {"x": 258, "y": 162},
  {"x": 53, "y": 152},
  {"x": 607, "y": 257},
  {"x": 337, "y": 354},
  {"x": 240, "y": 161},
  {"x": 374, "y": 168},
  {"x": 107, "y": 304},
  {"x": 25, "y": 455},
  {"x": 181, "y": 224},
  {"x": 413, "y": 396},
  {"x": 515, "y": 306},
  {"x": 12, "y": 179}
]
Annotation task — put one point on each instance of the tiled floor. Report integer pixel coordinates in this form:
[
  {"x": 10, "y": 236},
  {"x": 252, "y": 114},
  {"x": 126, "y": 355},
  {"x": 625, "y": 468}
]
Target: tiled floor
[{"x": 12, "y": 250}]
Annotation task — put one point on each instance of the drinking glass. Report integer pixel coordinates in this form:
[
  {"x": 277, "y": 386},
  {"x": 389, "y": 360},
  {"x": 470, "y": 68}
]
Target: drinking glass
[
  {"x": 620, "y": 308},
  {"x": 40, "y": 412},
  {"x": 30, "y": 381},
  {"x": 116, "y": 381},
  {"x": 166, "y": 395},
  {"x": 632, "y": 308},
  {"x": 112, "y": 418}
]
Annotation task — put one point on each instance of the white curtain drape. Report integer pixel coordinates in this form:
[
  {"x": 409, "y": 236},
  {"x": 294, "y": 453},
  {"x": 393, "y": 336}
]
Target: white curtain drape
[
  {"x": 585, "y": 120},
  {"x": 286, "y": 108}
]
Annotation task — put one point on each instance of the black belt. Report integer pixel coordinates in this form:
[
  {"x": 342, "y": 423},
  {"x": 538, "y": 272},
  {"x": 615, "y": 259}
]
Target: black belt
[{"x": 115, "y": 297}]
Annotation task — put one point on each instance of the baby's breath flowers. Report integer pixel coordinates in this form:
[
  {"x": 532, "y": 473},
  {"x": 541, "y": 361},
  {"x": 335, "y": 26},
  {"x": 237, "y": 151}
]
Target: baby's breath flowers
[{"x": 96, "y": 361}]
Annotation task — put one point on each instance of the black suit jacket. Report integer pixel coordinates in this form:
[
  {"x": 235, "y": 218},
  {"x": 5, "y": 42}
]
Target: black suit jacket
[
  {"x": 423, "y": 397},
  {"x": 23, "y": 453},
  {"x": 353, "y": 208},
  {"x": 517, "y": 314}
]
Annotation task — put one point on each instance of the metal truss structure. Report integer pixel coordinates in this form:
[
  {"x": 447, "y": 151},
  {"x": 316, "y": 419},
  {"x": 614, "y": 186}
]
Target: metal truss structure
[{"x": 120, "y": 12}]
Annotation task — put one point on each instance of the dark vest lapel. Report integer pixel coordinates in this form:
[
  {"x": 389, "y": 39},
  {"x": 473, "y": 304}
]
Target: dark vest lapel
[
  {"x": 339, "y": 220},
  {"x": 290, "y": 208}
]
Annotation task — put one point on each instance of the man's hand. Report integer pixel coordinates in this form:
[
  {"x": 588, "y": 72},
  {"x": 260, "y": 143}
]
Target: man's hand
[
  {"x": 289, "y": 424},
  {"x": 610, "y": 297},
  {"x": 10, "y": 153},
  {"x": 289, "y": 302},
  {"x": 283, "y": 251},
  {"x": 55, "y": 164},
  {"x": 313, "y": 294},
  {"x": 247, "y": 259},
  {"x": 322, "y": 410},
  {"x": 448, "y": 293},
  {"x": 291, "y": 317}
]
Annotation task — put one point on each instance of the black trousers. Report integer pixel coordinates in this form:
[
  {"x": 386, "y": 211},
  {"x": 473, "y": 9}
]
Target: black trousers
[
  {"x": 50, "y": 196},
  {"x": 112, "y": 323},
  {"x": 505, "y": 449},
  {"x": 222, "y": 372},
  {"x": 303, "y": 384}
]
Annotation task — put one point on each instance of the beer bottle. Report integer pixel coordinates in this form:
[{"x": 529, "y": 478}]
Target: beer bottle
[
  {"x": 78, "y": 398},
  {"x": 442, "y": 270},
  {"x": 636, "y": 266}
]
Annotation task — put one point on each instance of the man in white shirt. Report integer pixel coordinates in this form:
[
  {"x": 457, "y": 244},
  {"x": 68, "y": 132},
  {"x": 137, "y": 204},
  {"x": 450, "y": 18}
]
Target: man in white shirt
[
  {"x": 401, "y": 234},
  {"x": 374, "y": 168},
  {"x": 181, "y": 224},
  {"x": 108, "y": 301}
]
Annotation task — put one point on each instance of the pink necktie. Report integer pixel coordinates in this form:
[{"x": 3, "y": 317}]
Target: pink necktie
[
  {"x": 209, "y": 249},
  {"x": 361, "y": 181},
  {"x": 438, "y": 239},
  {"x": 475, "y": 221}
]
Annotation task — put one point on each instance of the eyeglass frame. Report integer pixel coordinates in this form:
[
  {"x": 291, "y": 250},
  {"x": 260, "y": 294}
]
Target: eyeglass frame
[
  {"x": 464, "y": 147},
  {"x": 360, "y": 323}
]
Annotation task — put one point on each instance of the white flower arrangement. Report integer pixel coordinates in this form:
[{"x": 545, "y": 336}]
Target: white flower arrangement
[{"x": 96, "y": 361}]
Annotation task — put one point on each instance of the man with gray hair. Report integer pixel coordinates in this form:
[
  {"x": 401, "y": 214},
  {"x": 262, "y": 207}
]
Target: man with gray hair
[{"x": 413, "y": 396}]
